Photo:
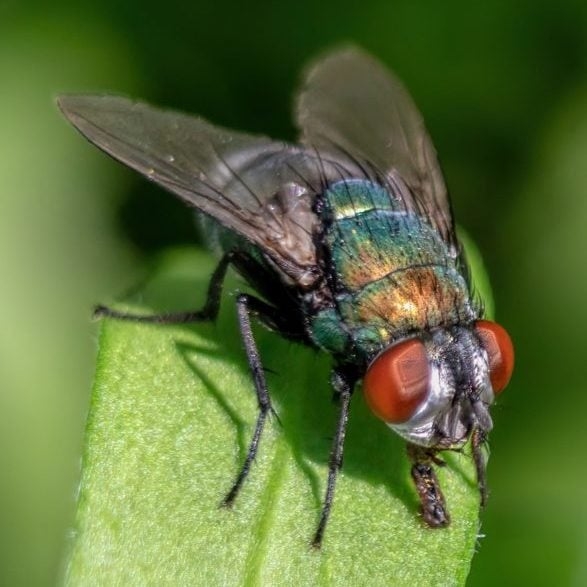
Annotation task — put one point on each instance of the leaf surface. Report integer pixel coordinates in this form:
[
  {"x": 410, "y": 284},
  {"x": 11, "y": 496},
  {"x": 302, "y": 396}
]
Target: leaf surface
[{"x": 172, "y": 412}]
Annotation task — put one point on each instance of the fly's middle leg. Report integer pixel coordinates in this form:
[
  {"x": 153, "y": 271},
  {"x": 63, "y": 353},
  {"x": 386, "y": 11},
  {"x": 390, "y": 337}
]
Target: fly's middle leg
[{"x": 343, "y": 389}]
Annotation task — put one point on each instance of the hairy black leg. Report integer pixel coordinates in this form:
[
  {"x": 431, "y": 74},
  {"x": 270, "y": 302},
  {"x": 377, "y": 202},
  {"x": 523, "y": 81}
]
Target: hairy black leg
[
  {"x": 477, "y": 441},
  {"x": 343, "y": 387},
  {"x": 432, "y": 505},
  {"x": 208, "y": 313},
  {"x": 247, "y": 305}
]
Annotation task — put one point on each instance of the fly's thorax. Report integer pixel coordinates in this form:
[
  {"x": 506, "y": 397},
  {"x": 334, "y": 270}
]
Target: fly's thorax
[
  {"x": 389, "y": 271},
  {"x": 368, "y": 235},
  {"x": 459, "y": 390}
]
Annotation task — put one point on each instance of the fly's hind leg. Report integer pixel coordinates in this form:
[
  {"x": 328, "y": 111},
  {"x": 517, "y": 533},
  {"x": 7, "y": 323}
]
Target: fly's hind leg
[
  {"x": 248, "y": 305},
  {"x": 208, "y": 313}
]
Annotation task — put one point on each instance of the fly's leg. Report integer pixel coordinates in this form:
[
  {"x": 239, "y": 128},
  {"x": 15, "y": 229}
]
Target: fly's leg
[
  {"x": 246, "y": 306},
  {"x": 477, "y": 441},
  {"x": 432, "y": 504},
  {"x": 208, "y": 313},
  {"x": 343, "y": 388}
]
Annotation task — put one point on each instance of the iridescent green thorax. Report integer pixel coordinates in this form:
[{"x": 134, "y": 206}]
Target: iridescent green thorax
[{"x": 392, "y": 274}]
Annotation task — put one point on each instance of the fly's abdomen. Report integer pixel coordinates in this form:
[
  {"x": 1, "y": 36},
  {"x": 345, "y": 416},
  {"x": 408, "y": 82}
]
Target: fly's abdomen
[{"x": 392, "y": 274}]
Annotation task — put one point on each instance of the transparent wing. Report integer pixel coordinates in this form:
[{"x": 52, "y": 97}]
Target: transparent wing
[
  {"x": 260, "y": 188},
  {"x": 351, "y": 103}
]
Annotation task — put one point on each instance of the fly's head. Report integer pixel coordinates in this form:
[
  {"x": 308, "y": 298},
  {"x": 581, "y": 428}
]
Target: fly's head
[{"x": 435, "y": 389}]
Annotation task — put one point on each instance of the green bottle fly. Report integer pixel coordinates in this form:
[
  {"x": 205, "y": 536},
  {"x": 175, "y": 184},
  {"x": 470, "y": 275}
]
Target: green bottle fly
[{"x": 348, "y": 239}]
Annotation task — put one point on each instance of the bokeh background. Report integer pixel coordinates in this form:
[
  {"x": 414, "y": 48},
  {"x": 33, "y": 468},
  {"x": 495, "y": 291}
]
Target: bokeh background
[{"x": 503, "y": 88}]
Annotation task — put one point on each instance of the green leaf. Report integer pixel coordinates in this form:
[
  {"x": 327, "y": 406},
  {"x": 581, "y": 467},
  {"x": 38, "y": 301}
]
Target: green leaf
[{"x": 171, "y": 416}]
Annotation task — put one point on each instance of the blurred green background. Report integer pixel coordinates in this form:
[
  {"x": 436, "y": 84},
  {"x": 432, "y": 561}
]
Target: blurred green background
[{"x": 503, "y": 88}]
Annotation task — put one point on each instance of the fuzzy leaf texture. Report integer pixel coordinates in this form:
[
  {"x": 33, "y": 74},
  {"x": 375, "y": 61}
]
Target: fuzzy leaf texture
[{"x": 172, "y": 412}]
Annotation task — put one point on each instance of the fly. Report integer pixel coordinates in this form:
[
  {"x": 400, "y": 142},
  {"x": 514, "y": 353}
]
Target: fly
[{"x": 349, "y": 241}]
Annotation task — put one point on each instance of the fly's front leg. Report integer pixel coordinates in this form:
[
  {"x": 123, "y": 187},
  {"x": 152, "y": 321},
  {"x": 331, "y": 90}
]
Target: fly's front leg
[
  {"x": 208, "y": 313},
  {"x": 432, "y": 504},
  {"x": 343, "y": 387},
  {"x": 477, "y": 441},
  {"x": 247, "y": 305}
]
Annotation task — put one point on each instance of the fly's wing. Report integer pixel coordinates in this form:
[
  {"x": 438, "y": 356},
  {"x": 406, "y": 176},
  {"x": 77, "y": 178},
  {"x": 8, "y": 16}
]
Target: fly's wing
[
  {"x": 259, "y": 188},
  {"x": 351, "y": 103}
]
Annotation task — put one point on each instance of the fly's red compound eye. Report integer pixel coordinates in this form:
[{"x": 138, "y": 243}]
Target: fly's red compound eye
[
  {"x": 396, "y": 383},
  {"x": 500, "y": 351}
]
